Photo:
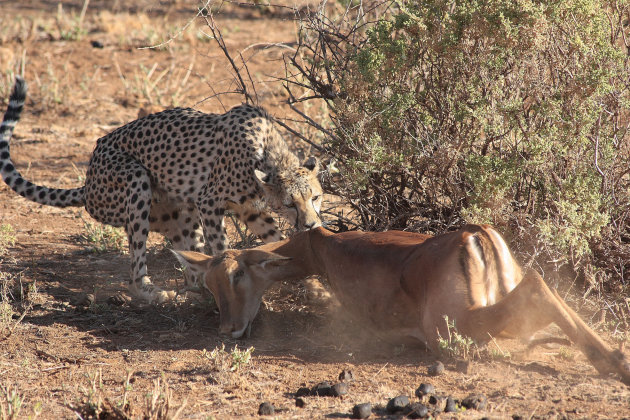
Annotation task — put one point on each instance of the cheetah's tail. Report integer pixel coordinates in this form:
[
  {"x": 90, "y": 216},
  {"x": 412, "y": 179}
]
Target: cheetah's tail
[{"x": 51, "y": 196}]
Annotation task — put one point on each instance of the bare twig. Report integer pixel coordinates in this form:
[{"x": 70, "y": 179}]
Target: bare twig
[
  {"x": 299, "y": 135},
  {"x": 218, "y": 37},
  {"x": 202, "y": 10}
]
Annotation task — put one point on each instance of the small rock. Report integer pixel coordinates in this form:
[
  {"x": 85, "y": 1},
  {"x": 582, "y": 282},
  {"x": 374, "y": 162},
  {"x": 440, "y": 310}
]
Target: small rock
[
  {"x": 424, "y": 389},
  {"x": 463, "y": 366},
  {"x": 300, "y": 403},
  {"x": 96, "y": 44},
  {"x": 361, "y": 411},
  {"x": 83, "y": 299},
  {"x": 475, "y": 401},
  {"x": 436, "y": 369},
  {"x": 517, "y": 417},
  {"x": 437, "y": 401},
  {"x": 303, "y": 392},
  {"x": 338, "y": 390},
  {"x": 346, "y": 376},
  {"x": 416, "y": 411},
  {"x": 451, "y": 406},
  {"x": 322, "y": 389},
  {"x": 397, "y": 404},
  {"x": 266, "y": 409}
]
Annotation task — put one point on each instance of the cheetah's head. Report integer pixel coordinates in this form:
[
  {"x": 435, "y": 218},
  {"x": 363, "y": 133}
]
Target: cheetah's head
[{"x": 295, "y": 193}]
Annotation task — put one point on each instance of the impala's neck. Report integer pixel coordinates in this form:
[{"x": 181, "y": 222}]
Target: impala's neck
[{"x": 301, "y": 248}]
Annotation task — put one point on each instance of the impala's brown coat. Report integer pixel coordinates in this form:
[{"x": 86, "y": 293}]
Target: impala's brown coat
[{"x": 405, "y": 283}]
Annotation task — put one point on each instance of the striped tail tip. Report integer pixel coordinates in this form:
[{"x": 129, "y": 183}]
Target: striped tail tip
[{"x": 16, "y": 104}]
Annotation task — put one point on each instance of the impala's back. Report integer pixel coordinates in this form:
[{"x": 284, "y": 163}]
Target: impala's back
[
  {"x": 457, "y": 271},
  {"x": 364, "y": 270},
  {"x": 406, "y": 282}
]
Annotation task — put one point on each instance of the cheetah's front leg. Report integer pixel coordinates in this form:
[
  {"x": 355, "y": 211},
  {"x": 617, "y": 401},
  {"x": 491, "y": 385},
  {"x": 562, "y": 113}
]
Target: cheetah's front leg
[
  {"x": 259, "y": 222},
  {"x": 213, "y": 214}
]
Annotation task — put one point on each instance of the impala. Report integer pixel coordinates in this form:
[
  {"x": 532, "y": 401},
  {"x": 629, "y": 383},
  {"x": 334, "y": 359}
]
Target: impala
[{"x": 405, "y": 283}]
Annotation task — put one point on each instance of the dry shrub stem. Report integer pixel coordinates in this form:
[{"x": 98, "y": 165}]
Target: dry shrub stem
[
  {"x": 240, "y": 82},
  {"x": 242, "y": 85}
]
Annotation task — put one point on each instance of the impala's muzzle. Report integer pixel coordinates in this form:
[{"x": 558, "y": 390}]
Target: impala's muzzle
[{"x": 236, "y": 332}]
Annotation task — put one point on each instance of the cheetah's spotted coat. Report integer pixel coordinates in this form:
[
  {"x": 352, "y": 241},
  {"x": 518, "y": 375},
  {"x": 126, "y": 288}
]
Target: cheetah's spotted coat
[{"x": 176, "y": 172}]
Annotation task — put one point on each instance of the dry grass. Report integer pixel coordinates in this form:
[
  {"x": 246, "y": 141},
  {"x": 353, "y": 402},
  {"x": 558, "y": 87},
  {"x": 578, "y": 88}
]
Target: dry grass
[
  {"x": 101, "y": 238},
  {"x": 7, "y": 238},
  {"x": 11, "y": 401},
  {"x": 97, "y": 403},
  {"x": 16, "y": 300},
  {"x": 159, "y": 404}
]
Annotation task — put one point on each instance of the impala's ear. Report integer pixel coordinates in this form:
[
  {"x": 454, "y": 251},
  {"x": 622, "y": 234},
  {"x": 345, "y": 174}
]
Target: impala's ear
[
  {"x": 312, "y": 164},
  {"x": 264, "y": 259},
  {"x": 194, "y": 261}
]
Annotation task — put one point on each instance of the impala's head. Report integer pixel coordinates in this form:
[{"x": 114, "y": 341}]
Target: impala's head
[
  {"x": 296, "y": 194},
  {"x": 237, "y": 280}
]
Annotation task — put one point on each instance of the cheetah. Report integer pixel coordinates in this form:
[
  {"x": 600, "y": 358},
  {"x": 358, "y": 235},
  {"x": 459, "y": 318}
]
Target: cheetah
[{"x": 176, "y": 172}]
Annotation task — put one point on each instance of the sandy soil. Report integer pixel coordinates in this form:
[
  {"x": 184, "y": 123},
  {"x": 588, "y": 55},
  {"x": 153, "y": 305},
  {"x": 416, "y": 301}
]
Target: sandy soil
[{"x": 75, "y": 353}]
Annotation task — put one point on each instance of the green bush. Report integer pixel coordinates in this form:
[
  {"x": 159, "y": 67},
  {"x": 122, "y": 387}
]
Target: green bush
[{"x": 512, "y": 113}]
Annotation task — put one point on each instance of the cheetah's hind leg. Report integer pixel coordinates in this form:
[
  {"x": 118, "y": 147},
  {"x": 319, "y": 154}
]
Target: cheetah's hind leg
[{"x": 118, "y": 193}]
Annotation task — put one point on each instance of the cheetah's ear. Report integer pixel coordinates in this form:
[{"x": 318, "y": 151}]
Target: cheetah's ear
[
  {"x": 262, "y": 178},
  {"x": 312, "y": 164}
]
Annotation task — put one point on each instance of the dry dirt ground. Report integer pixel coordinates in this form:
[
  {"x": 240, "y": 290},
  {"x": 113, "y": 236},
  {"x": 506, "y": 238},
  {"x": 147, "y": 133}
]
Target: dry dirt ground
[{"x": 72, "y": 356}]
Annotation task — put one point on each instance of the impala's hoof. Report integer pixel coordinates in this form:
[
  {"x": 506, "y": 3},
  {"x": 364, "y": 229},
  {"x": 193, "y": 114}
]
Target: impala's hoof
[
  {"x": 83, "y": 299},
  {"x": 164, "y": 296},
  {"x": 118, "y": 299},
  {"x": 315, "y": 292}
]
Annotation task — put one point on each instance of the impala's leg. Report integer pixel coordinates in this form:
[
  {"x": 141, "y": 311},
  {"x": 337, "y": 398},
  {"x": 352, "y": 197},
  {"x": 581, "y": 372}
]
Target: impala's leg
[
  {"x": 523, "y": 311},
  {"x": 596, "y": 350},
  {"x": 531, "y": 306}
]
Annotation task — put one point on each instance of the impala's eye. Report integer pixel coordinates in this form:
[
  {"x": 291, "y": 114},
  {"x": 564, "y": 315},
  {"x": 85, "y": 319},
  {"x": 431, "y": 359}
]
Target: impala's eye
[
  {"x": 317, "y": 197},
  {"x": 238, "y": 274}
]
